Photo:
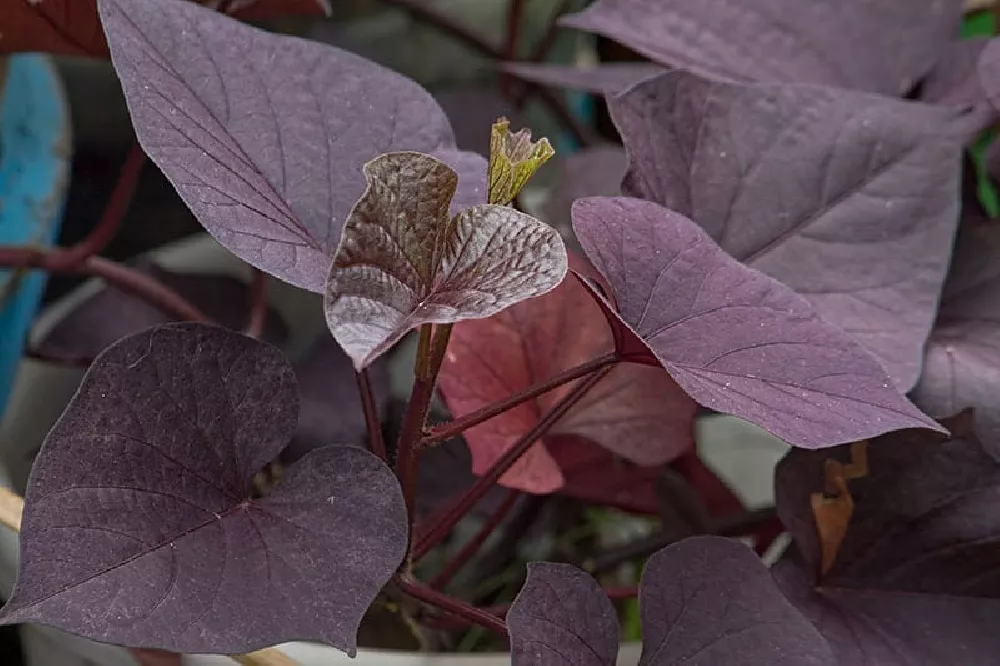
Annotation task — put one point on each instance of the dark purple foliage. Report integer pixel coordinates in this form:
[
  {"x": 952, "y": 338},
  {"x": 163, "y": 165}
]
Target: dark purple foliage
[
  {"x": 562, "y": 616},
  {"x": 734, "y": 339},
  {"x": 708, "y": 600},
  {"x": 704, "y": 601},
  {"x": 111, "y": 314},
  {"x": 883, "y": 46},
  {"x": 848, "y": 198},
  {"x": 140, "y": 527},
  {"x": 916, "y": 578},
  {"x": 923, "y": 519},
  {"x": 264, "y": 135}
]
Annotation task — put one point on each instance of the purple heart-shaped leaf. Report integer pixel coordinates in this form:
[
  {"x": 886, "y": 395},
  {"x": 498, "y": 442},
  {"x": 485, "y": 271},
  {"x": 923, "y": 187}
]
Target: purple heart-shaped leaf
[
  {"x": 140, "y": 527},
  {"x": 263, "y": 135},
  {"x": 883, "y": 46},
  {"x": 734, "y": 339},
  {"x": 561, "y": 616},
  {"x": 709, "y": 600},
  {"x": 404, "y": 261},
  {"x": 850, "y": 199}
]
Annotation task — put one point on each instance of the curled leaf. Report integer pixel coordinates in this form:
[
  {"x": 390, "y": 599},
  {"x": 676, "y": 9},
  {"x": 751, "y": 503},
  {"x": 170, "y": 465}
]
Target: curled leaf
[
  {"x": 916, "y": 581},
  {"x": 514, "y": 158},
  {"x": 403, "y": 261}
]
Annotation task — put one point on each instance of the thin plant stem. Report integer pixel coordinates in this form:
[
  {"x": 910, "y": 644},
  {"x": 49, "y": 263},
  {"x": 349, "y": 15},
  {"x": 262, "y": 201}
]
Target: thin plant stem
[
  {"x": 11, "y": 510},
  {"x": 460, "y": 425},
  {"x": 118, "y": 275},
  {"x": 472, "y": 546},
  {"x": 110, "y": 221},
  {"x": 450, "y": 516},
  {"x": 374, "y": 424},
  {"x": 430, "y": 353},
  {"x": 258, "y": 303},
  {"x": 451, "y": 605}
]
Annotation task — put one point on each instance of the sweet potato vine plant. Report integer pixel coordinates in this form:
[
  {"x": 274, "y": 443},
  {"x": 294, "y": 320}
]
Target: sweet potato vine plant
[{"x": 779, "y": 256}]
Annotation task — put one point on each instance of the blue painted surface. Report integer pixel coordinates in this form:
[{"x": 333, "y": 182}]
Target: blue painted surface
[{"x": 34, "y": 173}]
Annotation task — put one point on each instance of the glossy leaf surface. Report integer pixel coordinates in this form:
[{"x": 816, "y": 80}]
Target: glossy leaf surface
[
  {"x": 709, "y": 600},
  {"x": 962, "y": 363}
]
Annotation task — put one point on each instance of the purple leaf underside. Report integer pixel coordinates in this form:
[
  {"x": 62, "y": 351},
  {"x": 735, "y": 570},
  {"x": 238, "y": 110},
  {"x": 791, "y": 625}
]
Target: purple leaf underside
[
  {"x": 734, "y": 339},
  {"x": 262, "y": 135},
  {"x": 404, "y": 261},
  {"x": 883, "y": 47},
  {"x": 709, "y": 600},
  {"x": 850, "y": 199},
  {"x": 140, "y": 528}
]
